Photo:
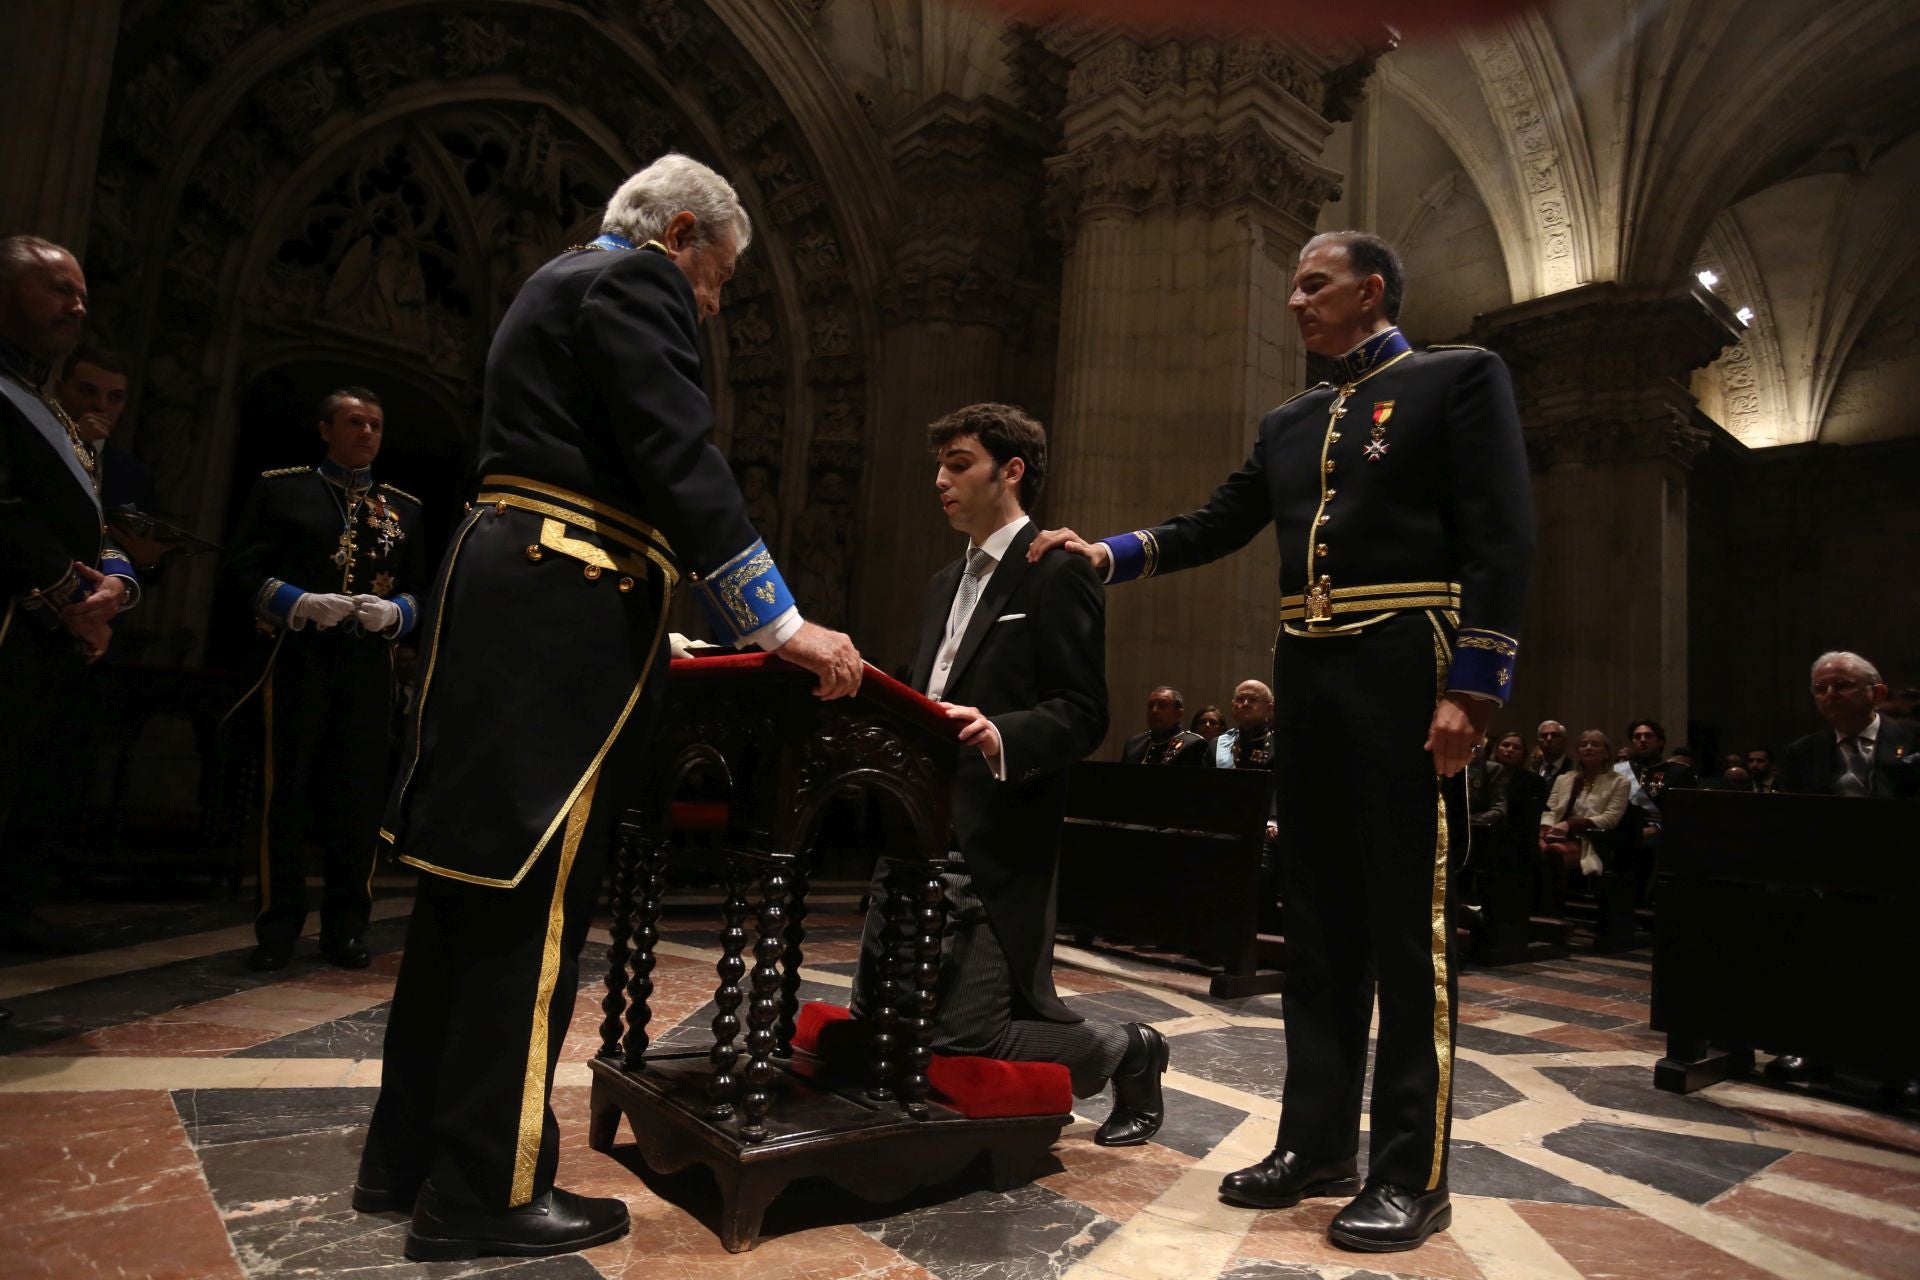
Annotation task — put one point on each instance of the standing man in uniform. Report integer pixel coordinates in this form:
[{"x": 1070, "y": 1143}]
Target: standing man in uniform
[
  {"x": 61, "y": 581},
  {"x": 1164, "y": 741},
  {"x": 1017, "y": 653},
  {"x": 329, "y": 561},
  {"x": 599, "y": 493},
  {"x": 1400, "y": 501}
]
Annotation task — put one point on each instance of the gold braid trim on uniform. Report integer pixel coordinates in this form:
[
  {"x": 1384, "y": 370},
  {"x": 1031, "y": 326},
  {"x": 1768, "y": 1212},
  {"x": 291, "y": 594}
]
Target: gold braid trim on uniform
[
  {"x": 6, "y": 623},
  {"x": 284, "y": 471},
  {"x": 1442, "y": 1007},
  {"x": 533, "y": 1090},
  {"x": 399, "y": 492}
]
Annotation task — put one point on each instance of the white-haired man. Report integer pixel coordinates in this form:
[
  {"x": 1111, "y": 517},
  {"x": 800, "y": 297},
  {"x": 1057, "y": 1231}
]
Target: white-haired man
[
  {"x": 600, "y": 491},
  {"x": 1858, "y": 753}
]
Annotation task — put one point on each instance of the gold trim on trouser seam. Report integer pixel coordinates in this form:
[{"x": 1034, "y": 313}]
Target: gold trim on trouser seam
[
  {"x": 1442, "y": 927},
  {"x": 533, "y": 1090},
  {"x": 6, "y": 624},
  {"x": 266, "y": 794},
  {"x": 593, "y": 767}
]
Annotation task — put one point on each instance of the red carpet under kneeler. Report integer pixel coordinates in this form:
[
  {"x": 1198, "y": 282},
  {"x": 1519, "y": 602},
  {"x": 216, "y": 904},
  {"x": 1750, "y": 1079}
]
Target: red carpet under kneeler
[{"x": 978, "y": 1088}]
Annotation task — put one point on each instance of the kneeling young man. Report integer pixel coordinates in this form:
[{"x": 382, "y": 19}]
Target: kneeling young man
[{"x": 1016, "y": 652}]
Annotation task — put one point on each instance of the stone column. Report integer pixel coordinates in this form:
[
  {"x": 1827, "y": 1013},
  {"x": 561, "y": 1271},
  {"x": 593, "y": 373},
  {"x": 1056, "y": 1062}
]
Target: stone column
[
  {"x": 959, "y": 308},
  {"x": 1188, "y": 182},
  {"x": 1601, "y": 374},
  {"x": 55, "y": 99}
]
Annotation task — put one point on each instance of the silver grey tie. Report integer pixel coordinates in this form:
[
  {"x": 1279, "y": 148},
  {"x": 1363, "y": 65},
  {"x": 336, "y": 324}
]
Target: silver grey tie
[
  {"x": 969, "y": 594},
  {"x": 1853, "y": 779}
]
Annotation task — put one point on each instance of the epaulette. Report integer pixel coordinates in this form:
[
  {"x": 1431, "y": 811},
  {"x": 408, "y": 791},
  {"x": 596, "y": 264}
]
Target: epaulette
[
  {"x": 394, "y": 488},
  {"x": 284, "y": 471},
  {"x": 1453, "y": 346}
]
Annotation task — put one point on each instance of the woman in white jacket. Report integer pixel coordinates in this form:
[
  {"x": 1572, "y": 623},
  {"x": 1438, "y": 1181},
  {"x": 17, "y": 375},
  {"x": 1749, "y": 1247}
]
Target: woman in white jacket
[{"x": 1583, "y": 802}]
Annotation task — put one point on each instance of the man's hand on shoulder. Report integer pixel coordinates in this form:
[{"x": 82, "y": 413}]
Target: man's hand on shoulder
[
  {"x": 975, "y": 730},
  {"x": 829, "y": 655},
  {"x": 1048, "y": 539}
]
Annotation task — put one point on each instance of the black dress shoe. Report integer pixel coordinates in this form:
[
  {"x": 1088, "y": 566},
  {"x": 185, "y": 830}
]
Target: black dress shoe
[
  {"x": 1139, "y": 1105},
  {"x": 557, "y": 1222},
  {"x": 1791, "y": 1068},
  {"x": 268, "y": 956},
  {"x": 348, "y": 953},
  {"x": 1286, "y": 1178},
  {"x": 376, "y": 1190},
  {"x": 1384, "y": 1218},
  {"x": 6, "y": 1016}
]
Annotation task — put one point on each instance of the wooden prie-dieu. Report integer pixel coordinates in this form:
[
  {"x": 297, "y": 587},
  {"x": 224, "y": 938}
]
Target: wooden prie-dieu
[{"x": 741, "y": 773}]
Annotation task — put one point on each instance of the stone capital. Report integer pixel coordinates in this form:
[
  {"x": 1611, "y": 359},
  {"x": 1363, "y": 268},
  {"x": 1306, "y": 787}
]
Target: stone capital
[
  {"x": 970, "y": 178},
  {"x": 1601, "y": 372}
]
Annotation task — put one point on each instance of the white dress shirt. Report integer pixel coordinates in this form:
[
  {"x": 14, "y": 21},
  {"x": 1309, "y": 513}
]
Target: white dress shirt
[
  {"x": 1869, "y": 738},
  {"x": 996, "y": 548}
]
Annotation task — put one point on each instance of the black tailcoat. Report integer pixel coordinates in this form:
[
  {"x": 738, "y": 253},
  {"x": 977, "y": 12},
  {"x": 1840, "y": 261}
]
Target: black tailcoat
[{"x": 1034, "y": 661}]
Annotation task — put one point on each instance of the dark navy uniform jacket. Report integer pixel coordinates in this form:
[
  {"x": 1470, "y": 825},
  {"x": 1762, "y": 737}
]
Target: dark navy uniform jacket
[
  {"x": 1405, "y": 486},
  {"x": 599, "y": 491}
]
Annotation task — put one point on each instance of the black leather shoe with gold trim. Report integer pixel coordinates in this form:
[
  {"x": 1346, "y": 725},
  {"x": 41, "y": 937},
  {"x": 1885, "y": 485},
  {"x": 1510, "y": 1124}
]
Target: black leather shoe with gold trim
[
  {"x": 557, "y": 1222},
  {"x": 1286, "y": 1178},
  {"x": 1384, "y": 1218}
]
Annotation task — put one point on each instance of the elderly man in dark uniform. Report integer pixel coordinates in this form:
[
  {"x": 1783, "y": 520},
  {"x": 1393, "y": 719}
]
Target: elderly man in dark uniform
[
  {"x": 1164, "y": 741},
  {"x": 61, "y": 581},
  {"x": 329, "y": 561},
  {"x": 599, "y": 493},
  {"x": 1400, "y": 499}
]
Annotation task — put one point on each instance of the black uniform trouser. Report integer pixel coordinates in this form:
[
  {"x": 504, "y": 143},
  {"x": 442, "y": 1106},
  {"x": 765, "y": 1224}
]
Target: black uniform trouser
[
  {"x": 39, "y": 673},
  {"x": 1366, "y": 895},
  {"x": 327, "y": 703}
]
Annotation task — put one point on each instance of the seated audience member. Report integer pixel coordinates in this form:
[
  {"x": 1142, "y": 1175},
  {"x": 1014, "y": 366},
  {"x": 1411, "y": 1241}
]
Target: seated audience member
[
  {"x": 1760, "y": 768},
  {"x": 1164, "y": 741},
  {"x": 1550, "y": 758},
  {"x": 1486, "y": 793},
  {"x": 1860, "y": 752},
  {"x": 1649, "y": 772},
  {"x": 1249, "y": 743},
  {"x": 1583, "y": 804},
  {"x": 1731, "y": 760},
  {"x": 1208, "y": 722},
  {"x": 1526, "y": 797},
  {"x": 1734, "y": 778}
]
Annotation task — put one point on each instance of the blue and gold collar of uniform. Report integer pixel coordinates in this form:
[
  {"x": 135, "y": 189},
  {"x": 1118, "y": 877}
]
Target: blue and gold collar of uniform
[
  {"x": 1370, "y": 353},
  {"x": 612, "y": 240},
  {"x": 350, "y": 478}
]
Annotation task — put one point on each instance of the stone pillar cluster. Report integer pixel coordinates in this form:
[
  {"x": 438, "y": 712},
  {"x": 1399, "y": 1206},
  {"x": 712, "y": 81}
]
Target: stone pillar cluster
[{"x": 1601, "y": 375}]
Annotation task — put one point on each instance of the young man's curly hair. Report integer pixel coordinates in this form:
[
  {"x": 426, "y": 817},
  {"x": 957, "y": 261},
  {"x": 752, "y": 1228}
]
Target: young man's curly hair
[{"x": 1004, "y": 431}]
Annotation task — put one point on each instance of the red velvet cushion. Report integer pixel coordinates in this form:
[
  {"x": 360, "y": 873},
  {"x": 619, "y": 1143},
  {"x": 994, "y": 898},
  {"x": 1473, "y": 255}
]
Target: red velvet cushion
[{"x": 978, "y": 1088}]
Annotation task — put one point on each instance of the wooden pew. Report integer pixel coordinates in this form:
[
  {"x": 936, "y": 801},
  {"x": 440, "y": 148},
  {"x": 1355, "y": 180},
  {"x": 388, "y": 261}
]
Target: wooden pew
[
  {"x": 1785, "y": 924},
  {"x": 1170, "y": 858}
]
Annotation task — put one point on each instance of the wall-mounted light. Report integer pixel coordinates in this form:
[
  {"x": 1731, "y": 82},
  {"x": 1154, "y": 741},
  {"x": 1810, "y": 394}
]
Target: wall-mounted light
[
  {"x": 1709, "y": 277},
  {"x": 1744, "y": 315}
]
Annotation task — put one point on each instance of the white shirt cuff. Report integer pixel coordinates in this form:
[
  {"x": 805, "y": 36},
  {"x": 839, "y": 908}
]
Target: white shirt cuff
[
  {"x": 132, "y": 596},
  {"x": 775, "y": 633}
]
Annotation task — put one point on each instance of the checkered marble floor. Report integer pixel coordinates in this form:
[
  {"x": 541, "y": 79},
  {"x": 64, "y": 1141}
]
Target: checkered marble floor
[{"x": 165, "y": 1113}]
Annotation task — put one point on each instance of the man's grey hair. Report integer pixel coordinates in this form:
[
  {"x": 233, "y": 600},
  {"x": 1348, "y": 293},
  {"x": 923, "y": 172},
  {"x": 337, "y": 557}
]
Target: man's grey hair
[
  {"x": 1861, "y": 668},
  {"x": 645, "y": 203},
  {"x": 18, "y": 253},
  {"x": 1543, "y": 727}
]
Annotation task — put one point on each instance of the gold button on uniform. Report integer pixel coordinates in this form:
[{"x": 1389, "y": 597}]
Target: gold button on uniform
[
  {"x": 1324, "y": 517},
  {"x": 1335, "y": 437},
  {"x": 1329, "y": 466},
  {"x": 592, "y": 572},
  {"x": 499, "y": 508},
  {"x": 533, "y": 552},
  {"x": 626, "y": 584},
  {"x": 1320, "y": 550}
]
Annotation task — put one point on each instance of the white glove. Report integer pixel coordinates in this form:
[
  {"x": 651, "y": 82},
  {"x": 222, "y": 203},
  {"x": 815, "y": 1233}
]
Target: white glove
[
  {"x": 375, "y": 614},
  {"x": 323, "y": 609}
]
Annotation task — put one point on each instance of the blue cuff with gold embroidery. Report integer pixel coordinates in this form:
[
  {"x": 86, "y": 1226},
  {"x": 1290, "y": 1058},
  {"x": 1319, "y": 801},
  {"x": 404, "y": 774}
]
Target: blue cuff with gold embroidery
[
  {"x": 1135, "y": 555},
  {"x": 409, "y": 614},
  {"x": 744, "y": 594},
  {"x": 274, "y": 601},
  {"x": 115, "y": 564},
  {"x": 1483, "y": 663}
]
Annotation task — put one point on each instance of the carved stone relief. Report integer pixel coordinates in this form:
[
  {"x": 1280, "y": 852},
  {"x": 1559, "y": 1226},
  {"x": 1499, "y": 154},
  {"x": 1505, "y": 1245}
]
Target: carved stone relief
[{"x": 1515, "y": 101}]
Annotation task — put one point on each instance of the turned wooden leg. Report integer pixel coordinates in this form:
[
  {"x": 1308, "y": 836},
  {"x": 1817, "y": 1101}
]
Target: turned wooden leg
[
  {"x": 926, "y": 982},
  {"x": 648, "y": 883},
  {"x": 723, "y": 1085},
  {"x": 764, "y": 1006},
  {"x": 603, "y": 1122},
  {"x": 791, "y": 959},
  {"x": 621, "y": 896},
  {"x": 883, "y": 1060}
]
